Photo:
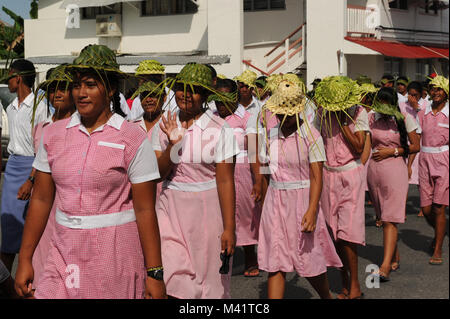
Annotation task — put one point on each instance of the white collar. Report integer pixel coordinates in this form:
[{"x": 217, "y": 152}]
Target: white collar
[
  {"x": 114, "y": 121},
  {"x": 253, "y": 103},
  {"x": 443, "y": 111},
  {"x": 28, "y": 101},
  {"x": 240, "y": 111}
]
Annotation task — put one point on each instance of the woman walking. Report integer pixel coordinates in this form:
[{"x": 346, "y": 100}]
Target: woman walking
[
  {"x": 100, "y": 168},
  {"x": 196, "y": 209},
  {"x": 293, "y": 235},
  {"x": 388, "y": 174}
]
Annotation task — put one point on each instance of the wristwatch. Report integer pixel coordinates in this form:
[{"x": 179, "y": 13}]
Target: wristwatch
[
  {"x": 396, "y": 152},
  {"x": 156, "y": 273},
  {"x": 31, "y": 179}
]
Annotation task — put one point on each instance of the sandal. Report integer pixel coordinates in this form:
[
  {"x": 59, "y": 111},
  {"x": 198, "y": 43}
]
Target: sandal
[
  {"x": 252, "y": 271},
  {"x": 378, "y": 223},
  {"x": 381, "y": 275},
  {"x": 436, "y": 261}
]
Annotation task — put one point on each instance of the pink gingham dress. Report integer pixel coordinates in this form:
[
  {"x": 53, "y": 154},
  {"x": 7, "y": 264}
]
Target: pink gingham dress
[
  {"x": 282, "y": 246},
  {"x": 344, "y": 176},
  {"x": 407, "y": 108},
  {"x": 93, "y": 174},
  {"x": 434, "y": 156},
  {"x": 388, "y": 179},
  {"x": 248, "y": 213},
  {"x": 189, "y": 213}
]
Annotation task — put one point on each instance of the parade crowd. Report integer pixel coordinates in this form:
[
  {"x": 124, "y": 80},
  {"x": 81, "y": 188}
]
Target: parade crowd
[{"x": 148, "y": 195}]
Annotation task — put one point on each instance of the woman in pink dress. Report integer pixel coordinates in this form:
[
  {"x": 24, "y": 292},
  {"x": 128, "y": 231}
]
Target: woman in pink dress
[
  {"x": 58, "y": 89},
  {"x": 196, "y": 209},
  {"x": 293, "y": 235},
  {"x": 100, "y": 168},
  {"x": 388, "y": 174},
  {"x": 434, "y": 163},
  {"x": 344, "y": 134},
  {"x": 248, "y": 181},
  {"x": 414, "y": 104}
]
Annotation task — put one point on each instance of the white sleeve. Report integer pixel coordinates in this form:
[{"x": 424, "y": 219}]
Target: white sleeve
[
  {"x": 362, "y": 121},
  {"x": 41, "y": 113},
  {"x": 317, "y": 151},
  {"x": 41, "y": 161},
  {"x": 144, "y": 166},
  {"x": 136, "y": 109},
  {"x": 155, "y": 138},
  {"x": 124, "y": 106},
  {"x": 253, "y": 125},
  {"x": 226, "y": 146},
  {"x": 410, "y": 123},
  {"x": 419, "y": 128}
]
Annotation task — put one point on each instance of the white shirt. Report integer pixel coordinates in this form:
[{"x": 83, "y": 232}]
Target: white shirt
[
  {"x": 402, "y": 98},
  {"x": 137, "y": 111},
  {"x": 19, "y": 123},
  {"x": 254, "y": 107}
]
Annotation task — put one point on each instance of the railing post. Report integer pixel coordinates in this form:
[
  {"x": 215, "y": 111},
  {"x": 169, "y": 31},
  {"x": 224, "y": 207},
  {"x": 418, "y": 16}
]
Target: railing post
[
  {"x": 286, "y": 47},
  {"x": 303, "y": 44}
]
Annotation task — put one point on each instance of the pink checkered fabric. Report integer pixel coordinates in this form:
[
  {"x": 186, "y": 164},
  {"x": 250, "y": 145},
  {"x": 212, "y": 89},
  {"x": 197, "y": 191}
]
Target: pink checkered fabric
[{"x": 91, "y": 179}]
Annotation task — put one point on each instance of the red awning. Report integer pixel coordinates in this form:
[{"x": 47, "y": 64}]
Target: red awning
[{"x": 400, "y": 50}]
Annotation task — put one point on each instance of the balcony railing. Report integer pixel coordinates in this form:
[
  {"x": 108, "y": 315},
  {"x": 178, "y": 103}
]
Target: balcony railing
[
  {"x": 291, "y": 50},
  {"x": 360, "y": 21}
]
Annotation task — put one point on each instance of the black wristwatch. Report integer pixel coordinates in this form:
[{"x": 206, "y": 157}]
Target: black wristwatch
[
  {"x": 156, "y": 273},
  {"x": 31, "y": 179}
]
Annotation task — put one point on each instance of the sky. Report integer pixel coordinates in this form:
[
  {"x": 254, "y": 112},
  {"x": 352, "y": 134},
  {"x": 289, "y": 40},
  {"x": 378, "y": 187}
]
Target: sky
[{"x": 20, "y": 7}]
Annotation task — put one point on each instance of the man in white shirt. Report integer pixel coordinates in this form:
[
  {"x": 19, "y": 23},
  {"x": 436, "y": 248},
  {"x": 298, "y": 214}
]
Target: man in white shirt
[
  {"x": 246, "y": 85},
  {"x": 402, "y": 91},
  {"x": 18, "y": 178}
]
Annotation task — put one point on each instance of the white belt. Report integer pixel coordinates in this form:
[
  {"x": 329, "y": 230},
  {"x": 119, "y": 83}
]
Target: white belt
[
  {"x": 242, "y": 154},
  {"x": 346, "y": 167},
  {"x": 190, "y": 187},
  {"x": 427, "y": 149},
  {"x": 289, "y": 185},
  {"x": 95, "y": 221}
]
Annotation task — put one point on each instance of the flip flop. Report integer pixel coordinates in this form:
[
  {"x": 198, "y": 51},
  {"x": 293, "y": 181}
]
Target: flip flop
[
  {"x": 381, "y": 275},
  {"x": 252, "y": 271},
  {"x": 437, "y": 261}
]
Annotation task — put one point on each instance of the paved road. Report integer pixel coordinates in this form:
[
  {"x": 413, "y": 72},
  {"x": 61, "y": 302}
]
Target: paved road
[{"x": 416, "y": 279}]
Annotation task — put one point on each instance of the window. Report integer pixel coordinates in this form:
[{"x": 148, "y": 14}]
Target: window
[
  {"x": 444, "y": 65},
  {"x": 258, "y": 5},
  {"x": 423, "y": 69},
  {"x": 399, "y": 4},
  {"x": 393, "y": 66},
  {"x": 92, "y": 12},
  {"x": 167, "y": 7}
]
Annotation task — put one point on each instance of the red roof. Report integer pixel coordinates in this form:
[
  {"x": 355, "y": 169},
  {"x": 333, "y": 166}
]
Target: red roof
[{"x": 400, "y": 50}]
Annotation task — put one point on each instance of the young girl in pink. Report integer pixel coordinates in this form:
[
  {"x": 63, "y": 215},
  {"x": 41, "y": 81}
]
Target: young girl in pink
[
  {"x": 434, "y": 163},
  {"x": 196, "y": 209},
  {"x": 293, "y": 235},
  {"x": 342, "y": 199},
  {"x": 387, "y": 174},
  {"x": 247, "y": 178}
]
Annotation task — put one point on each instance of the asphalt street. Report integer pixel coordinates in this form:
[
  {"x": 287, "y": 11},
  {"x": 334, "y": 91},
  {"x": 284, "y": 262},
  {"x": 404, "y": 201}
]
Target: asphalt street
[{"x": 415, "y": 279}]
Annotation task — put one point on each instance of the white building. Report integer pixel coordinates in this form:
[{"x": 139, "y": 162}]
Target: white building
[{"x": 323, "y": 37}]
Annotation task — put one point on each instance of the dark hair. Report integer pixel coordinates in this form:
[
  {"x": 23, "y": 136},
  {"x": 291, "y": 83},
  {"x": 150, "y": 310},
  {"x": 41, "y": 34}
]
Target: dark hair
[
  {"x": 213, "y": 71},
  {"x": 415, "y": 85},
  {"x": 389, "y": 95},
  {"x": 404, "y": 78},
  {"x": 27, "y": 69},
  {"x": 388, "y": 77},
  {"x": 49, "y": 72},
  {"x": 227, "y": 83}
]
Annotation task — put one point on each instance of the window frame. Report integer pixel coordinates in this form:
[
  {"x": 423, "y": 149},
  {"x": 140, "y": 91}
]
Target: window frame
[
  {"x": 99, "y": 11},
  {"x": 269, "y": 6},
  {"x": 398, "y": 5},
  {"x": 391, "y": 60},
  {"x": 143, "y": 4}
]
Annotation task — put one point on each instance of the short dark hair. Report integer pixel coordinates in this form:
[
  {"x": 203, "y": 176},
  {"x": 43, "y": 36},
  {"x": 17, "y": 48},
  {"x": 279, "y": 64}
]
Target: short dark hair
[
  {"x": 415, "y": 85},
  {"x": 388, "y": 77},
  {"x": 227, "y": 83},
  {"x": 26, "y": 70}
]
